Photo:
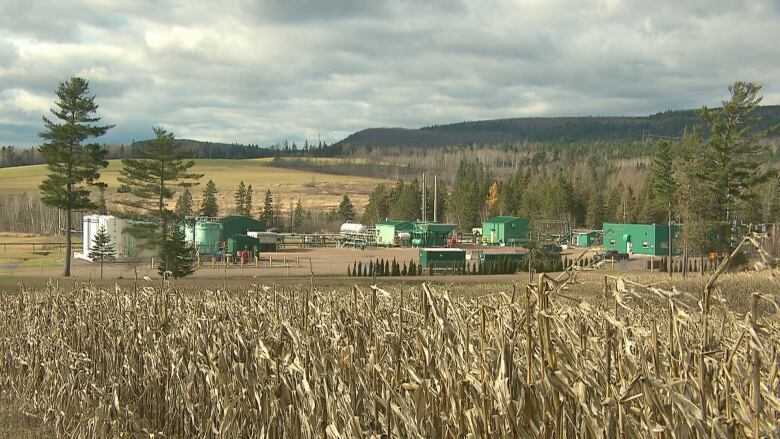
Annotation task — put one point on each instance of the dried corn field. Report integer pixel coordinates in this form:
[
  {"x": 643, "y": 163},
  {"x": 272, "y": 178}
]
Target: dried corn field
[{"x": 413, "y": 361}]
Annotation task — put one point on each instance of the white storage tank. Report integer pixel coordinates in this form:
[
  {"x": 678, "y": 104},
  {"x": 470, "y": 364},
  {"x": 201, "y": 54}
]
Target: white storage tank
[
  {"x": 353, "y": 228},
  {"x": 114, "y": 228}
]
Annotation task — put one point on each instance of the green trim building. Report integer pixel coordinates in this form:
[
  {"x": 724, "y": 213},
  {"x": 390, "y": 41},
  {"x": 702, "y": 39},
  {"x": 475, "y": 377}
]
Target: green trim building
[
  {"x": 642, "y": 239},
  {"x": 505, "y": 230},
  {"x": 240, "y": 225},
  {"x": 387, "y": 231}
]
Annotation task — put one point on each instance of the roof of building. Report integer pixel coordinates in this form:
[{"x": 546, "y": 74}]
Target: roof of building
[{"x": 502, "y": 219}]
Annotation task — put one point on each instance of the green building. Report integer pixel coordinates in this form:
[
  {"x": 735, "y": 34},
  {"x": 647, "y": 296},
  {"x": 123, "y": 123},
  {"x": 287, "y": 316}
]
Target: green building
[
  {"x": 388, "y": 230},
  {"x": 642, "y": 239},
  {"x": 442, "y": 258},
  {"x": 240, "y": 225},
  {"x": 587, "y": 239},
  {"x": 505, "y": 230},
  {"x": 426, "y": 234}
]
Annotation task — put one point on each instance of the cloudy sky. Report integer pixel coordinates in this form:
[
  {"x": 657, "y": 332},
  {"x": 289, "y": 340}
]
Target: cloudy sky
[{"x": 257, "y": 71}]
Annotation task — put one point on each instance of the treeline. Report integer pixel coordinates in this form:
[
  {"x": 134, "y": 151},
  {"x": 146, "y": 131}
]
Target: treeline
[
  {"x": 13, "y": 156},
  {"x": 26, "y": 213},
  {"x": 403, "y": 202}
]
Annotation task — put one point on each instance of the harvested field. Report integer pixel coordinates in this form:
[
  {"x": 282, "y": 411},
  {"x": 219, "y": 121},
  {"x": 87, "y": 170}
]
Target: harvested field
[{"x": 601, "y": 359}]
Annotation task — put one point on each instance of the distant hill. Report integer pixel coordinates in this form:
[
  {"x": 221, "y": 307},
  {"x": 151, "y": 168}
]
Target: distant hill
[{"x": 543, "y": 129}]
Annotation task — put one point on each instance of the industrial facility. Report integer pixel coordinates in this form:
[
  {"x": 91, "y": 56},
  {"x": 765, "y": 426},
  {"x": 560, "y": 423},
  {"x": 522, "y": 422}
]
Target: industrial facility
[{"x": 642, "y": 239}]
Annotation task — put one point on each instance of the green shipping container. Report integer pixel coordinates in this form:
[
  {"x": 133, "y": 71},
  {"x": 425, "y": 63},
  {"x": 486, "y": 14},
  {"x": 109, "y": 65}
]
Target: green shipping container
[
  {"x": 642, "y": 239},
  {"x": 587, "y": 239},
  {"x": 442, "y": 257}
]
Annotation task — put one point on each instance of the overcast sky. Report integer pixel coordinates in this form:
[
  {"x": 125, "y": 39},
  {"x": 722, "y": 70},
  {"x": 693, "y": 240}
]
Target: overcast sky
[{"x": 255, "y": 71}]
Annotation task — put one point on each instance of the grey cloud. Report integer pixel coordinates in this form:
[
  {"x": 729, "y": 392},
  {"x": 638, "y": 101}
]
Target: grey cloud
[{"x": 258, "y": 72}]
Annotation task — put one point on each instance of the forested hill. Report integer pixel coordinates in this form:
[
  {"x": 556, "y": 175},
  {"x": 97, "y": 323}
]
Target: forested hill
[{"x": 543, "y": 129}]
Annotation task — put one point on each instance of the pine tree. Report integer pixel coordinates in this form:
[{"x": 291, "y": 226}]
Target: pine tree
[
  {"x": 664, "y": 184},
  {"x": 248, "y": 208},
  {"x": 178, "y": 256},
  {"x": 240, "y": 198},
  {"x": 268, "y": 209},
  {"x": 72, "y": 165},
  {"x": 378, "y": 207},
  {"x": 732, "y": 167},
  {"x": 298, "y": 215},
  {"x": 594, "y": 216},
  {"x": 161, "y": 168},
  {"x": 403, "y": 270},
  {"x": 208, "y": 205},
  {"x": 102, "y": 209},
  {"x": 103, "y": 249},
  {"x": 184, "y": 205},
  {"x": 346, "y": 209}
]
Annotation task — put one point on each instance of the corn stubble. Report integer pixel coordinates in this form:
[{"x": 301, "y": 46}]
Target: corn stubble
[{"x": 419, "y": 362}]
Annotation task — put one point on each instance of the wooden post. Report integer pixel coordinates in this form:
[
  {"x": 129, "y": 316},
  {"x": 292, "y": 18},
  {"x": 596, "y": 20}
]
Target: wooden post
[
  {"x": 298, "y": 261},
  {"x": 257, "y": 261}
]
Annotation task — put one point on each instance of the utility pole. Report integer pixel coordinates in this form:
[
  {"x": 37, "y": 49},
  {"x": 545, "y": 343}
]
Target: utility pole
[
  {"x": 435, "y": 198},
  {"x": 424, "y": 216}
]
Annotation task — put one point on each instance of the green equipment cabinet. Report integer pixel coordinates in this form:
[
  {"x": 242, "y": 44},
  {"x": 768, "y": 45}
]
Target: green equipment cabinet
[
  {"x": 442, "y": 258},
  {"x": 642, "y": 239},
  {"x": 426, "y": 234},
  {"x": 237, "y": 243},
  {"x": 505, "y": 230}
]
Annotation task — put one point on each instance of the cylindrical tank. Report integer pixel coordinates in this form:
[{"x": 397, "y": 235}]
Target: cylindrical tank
[
  {"x": 404, "y": 236},
  {"x": 353, "y": 228},
  {"x": 207, "y": 236}
]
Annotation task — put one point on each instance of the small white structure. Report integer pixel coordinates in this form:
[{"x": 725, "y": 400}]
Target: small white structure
[{"x": 114, "y": 228}]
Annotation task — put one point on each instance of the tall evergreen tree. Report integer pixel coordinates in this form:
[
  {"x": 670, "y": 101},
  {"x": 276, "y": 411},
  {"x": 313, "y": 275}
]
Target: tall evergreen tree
[
  {"x": 102, "y": 209},
  {"x": 378, "y": 208},
  {"x": 298, "y": 214},
  {"x": 102, "y": 249},
  {"x": 665, "y": 186},
  {"x": 240, "y": 198},
  {"x": 208, "y": 205},
  {"x": 248, "y": 206},
  {"x": 594, "y": 216},
  {"x": 346, "y": 209},
  {"x": 733, "y": 149},
  {"x": 184, "y": 205},
  {"x": 72, "y": 165},
  {"x": 153, "y": 178},
  {"x": 268, "y": 208}
]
